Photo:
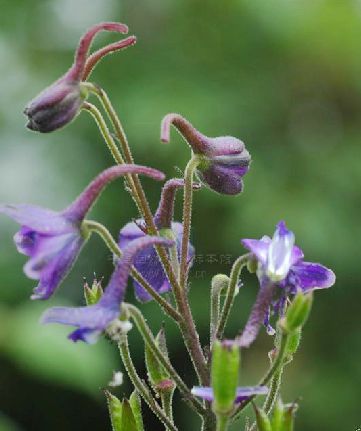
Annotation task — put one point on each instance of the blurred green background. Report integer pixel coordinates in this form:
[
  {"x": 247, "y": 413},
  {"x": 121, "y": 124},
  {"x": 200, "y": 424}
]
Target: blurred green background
[{"x": 284, "y": 76}]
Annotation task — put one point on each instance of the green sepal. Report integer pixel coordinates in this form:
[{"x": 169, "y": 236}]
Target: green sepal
[
  {"x": 224, "y": 376},
  {"x": 277, "y": 416},
  {"x": 115, "y": 411},
  {"x": 298, "y": 312},
  {"x": 263, "y": 423},
  {"x": 128, "y": 422},
  {"x": 135, "y": 404},
  {"x": 94, "y": 293}
]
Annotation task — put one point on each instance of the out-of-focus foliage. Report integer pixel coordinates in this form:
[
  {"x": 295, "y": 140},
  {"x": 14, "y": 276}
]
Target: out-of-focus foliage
[{"x": 282, "y": 75}]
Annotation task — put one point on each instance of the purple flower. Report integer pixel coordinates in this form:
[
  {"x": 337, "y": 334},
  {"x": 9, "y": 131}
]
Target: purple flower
[
  {"x": 225, "y": 158},
  {"x": 243, "y": 393},
  {"x": 53, "y": 240},
  {"x": 147, "y": 262},
  {"x": 61, "y": 102},
  {"x": 92, "y": 320},
  {"x": 280, "y": 263}
]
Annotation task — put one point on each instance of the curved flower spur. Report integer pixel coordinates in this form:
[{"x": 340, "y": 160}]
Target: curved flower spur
[
  {"x": 92, "y": 320},
  {"x": 280, "y": 264},
  {"x": 147, "y": 262},
  {"x": 225, "y": 159},
  {"x": 53, "y": 240},
  {"x": 61, "y": 102}
]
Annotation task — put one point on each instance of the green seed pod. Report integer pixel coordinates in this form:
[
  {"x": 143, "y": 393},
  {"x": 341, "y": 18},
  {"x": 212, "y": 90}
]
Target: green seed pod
[
  {"x": 289, "y": 417},
  {"x": 128, "y": 422},
  {"x": 277, "y": 416},
  {"x": 224, "y": 376},
  {"x": 136, "y": 406}
]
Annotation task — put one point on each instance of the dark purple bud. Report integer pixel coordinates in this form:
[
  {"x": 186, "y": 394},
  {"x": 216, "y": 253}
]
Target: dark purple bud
[
  {"x": 61, "y": 102},
  {"x": 225, "y": 158}
]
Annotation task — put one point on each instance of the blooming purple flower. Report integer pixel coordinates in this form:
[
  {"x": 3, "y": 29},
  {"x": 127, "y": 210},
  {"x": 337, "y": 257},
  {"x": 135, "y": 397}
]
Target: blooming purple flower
[
  {"x": 61, "y": 102},
  {"x": 243, "y": 393},
  {"x": 225, "y": 158},
  {"x": 147, "y": 262},
  {"x": 280, "y": 263},
  {"x": 92, "y": 320},
  {"x": 53, "y": 240}
]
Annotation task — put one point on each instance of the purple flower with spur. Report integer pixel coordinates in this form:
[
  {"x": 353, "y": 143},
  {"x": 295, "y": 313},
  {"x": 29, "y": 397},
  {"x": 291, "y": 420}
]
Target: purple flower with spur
[
  {"x": 242, "y": 394},
  {"x": 61, "y": 102},
  {"x": 53, "y": 240},
  {"x": 92, "y": 320},
  {"x": 280, "y": 263},
  {"x": 147, "y": 262},
  {"x": 225, "y": 159}
]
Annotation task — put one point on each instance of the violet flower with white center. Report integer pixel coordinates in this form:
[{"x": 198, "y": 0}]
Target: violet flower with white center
[
  {"x": 280, "y": 263},
  {"x": 225, "y": 158},
  {"x": 61, "y": 102},
  {"x": 243, "y": 393},
  {"x": 147, "y": 261},
  {"x": 53, "y": 240},
  {"x": 92, "y": 320}
]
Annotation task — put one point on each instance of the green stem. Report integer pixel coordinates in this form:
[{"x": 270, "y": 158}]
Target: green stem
[
  {"x": 148, "y": 337},
  {"x": 107, "y": 237},
  {"x": 222, "y": 423},
  {"x": 274, "y": 390},
  {"x": 141, "y": 387},
  {"x": 187, "y": 216},
  {"x": 95, "y": 113},
  {"x": 228, "y": 302},
  {"x": 219, "y": 283},
  {"x": 274, "y": 368}
]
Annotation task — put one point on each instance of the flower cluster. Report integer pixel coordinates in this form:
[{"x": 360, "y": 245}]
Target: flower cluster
[{"x": 156, "y": 252}]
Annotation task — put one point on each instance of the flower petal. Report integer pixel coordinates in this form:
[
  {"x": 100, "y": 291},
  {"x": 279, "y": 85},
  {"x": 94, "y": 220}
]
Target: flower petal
[
  {"x": 52, "y": 271},
  {"x": 38, "y": 219},
  {"x": 203, "y": 392},
  {"x": 246, "y": 392},
  {"x": 309, "y": 276},
  {"x": 258, "y": 247}
]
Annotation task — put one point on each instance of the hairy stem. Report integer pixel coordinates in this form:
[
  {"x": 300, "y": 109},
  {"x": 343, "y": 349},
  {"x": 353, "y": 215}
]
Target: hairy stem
[
  {"x": 219, "y": 283},
  {"x": 273, "y": 370},
  {"x": 232, "y": 286},
  {"x": 167, "y": 403},
  {"x": 222, "y": 423},
  {"x": 141, "y": 387},
  {"x": 187, "y": 216},
  {"x": 107, "y": 237},
  {"x": 187, "y": 326},
  {"x": 148, "y": 337}
]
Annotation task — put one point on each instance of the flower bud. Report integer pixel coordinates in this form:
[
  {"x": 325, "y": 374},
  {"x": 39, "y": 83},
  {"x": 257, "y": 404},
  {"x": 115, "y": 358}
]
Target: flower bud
[
  {"x": 94, "y": 293},
  {"x": 297, "y": 313},
  {"x": 224, "y": 376},
  {"x": 225, "y": 159},
  {"x": 61, "y": 102}
]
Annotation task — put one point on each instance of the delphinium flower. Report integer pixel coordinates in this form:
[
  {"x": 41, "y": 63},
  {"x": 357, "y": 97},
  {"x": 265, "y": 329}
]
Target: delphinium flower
[
  {"x": 92, "y": 320},
  {"x": 53, "y": 240},
  {"x": 280, "y": 264},
  {"x": 242, "y": 393},
  {"x": 225, "y": 159},
  {"x": 147, "y": 262},
  {"x": 60, "y": 103}
]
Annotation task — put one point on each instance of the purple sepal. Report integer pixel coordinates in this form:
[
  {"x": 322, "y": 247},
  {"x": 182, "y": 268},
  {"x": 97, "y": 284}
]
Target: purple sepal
[
  {"x": 243, "y": 393},
  {"x": 147, "y": 262},
  {"x": 92, "y": 320}
]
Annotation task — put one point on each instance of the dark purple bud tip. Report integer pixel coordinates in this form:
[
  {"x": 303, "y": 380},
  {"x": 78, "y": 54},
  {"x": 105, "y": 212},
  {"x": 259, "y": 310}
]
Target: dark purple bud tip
[
  {"x": 55, "y": 107},
  {"x": 225, "y": 158}
]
